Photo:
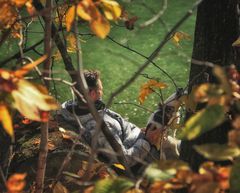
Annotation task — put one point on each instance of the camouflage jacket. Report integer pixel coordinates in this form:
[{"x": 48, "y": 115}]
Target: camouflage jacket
[{"x": 134, "y": 145}]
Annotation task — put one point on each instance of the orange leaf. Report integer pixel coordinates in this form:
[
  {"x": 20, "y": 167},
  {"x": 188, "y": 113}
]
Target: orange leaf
[
  {"x": 178, "y": 36},
  {"x": 19, "y": 3},
  {"x": 6, "y": 120},
  {"x": 70, "y": 15},
  {"x": 100, "y": 27},
  {"x": 148, "y": 87},
  {"x": 16, "y": 183},
  {"x": 25, "y": 69},
  {"x": 30, "y": 8}
]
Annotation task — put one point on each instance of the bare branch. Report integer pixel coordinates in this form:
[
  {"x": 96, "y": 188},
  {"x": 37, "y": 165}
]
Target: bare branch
[
  {"x": 42, "y": 159},
  {"x": 140, "y": 54},
  {"x": 157, "y": 16},
  {"x": 17, "y": 55}
]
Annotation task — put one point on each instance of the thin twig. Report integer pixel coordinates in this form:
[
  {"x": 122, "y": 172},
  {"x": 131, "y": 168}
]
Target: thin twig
[
  {"x": 157, "y": 16},
  {"x": 140, "y": 54},
  {"x": 17, "y": 55}
]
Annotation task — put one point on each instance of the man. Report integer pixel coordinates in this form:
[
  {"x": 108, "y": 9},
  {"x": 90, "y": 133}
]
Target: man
[{"x": 135, "y": 144}]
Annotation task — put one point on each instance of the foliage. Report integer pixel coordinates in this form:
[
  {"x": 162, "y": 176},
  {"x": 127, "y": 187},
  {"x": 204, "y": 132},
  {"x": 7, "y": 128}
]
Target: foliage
[{"x": 34, "y": 103}]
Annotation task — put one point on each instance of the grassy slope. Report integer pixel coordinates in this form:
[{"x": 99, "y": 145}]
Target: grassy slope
[{"x": 118, "y": 64}]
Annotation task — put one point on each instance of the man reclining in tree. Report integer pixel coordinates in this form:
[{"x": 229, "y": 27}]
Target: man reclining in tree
[{"x": 136, "y": 144}]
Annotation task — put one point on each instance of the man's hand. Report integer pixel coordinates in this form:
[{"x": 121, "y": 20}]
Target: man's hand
[{"x": 154, "y": 136}]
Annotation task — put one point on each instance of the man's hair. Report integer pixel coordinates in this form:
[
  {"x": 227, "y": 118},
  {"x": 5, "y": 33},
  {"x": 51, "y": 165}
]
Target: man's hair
[{"x": 92, "y": 77}]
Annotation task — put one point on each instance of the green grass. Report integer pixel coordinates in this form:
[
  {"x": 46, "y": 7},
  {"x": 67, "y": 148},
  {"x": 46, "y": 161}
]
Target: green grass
[{"x": 118, "y": 64}]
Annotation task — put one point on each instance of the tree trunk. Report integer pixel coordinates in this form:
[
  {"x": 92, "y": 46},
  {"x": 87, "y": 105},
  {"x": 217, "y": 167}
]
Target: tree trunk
[{"x": 217, "y": 27}]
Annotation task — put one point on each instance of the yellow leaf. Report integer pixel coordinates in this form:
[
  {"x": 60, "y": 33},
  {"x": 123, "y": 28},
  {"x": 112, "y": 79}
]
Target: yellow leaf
[
  {"x": 25, "y": 69},
  {"x": 70, "y": 15},
  {"x": 178, "y": 36},
  {"x": 6, "y": 120},
  {"x": 119, "y": 166},
  {"x": 83, "y": 10},
  {"x": 111, "y": 9},
  {"x": 100, "y": 27},
  {"x": 59, "y": 188},
  {"x": 72, "y": 43},
  {"x": 236, "y": 43},
  {"x": 31, "y": 101}
]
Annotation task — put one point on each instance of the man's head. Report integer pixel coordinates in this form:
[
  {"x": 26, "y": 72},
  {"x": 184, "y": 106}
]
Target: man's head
[{"x": 94, "y": 84}]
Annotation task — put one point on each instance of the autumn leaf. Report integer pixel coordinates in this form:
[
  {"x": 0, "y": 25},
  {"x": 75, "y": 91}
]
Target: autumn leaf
[
  {"x": 100, "y": 27},
  {"x": 236, "y": 42},
  {"x": 203, "y": 121},
  {"x": 8, "y": 15},
  {"x": 235, "y": 177},
  {"x": 59, "y": 188},
  {"x": 111, "y": 9},
  {"x": 25, "y": 69},
  {"x": 70, "y": 16},
  {"x": 111, "y": 185},
  {"x": 179, "y": 36},
  {"x": 84, "y": 11},
  {"x": 153, "y": 173},
  {"x": 72, "y": 43},
  {"x": 6, "y": 120},
  {"x": 217, "y": 152},
  {"x": 147, "y": 89},
  {"x": 119, "y": 166},
  {"x": 30, "y": 8},
  {"x": 16, "y": 183},
  {"x": 19, "y": 3},
  {"x": 31, "y": 101}
]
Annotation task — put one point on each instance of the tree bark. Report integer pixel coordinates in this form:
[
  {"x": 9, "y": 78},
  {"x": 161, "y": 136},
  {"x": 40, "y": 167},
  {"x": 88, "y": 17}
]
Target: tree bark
[{"x": 217, "y": 27}]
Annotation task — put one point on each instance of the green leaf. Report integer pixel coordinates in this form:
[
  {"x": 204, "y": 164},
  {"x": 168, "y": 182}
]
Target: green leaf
[
  {"x": 202, "y": 122},
  {"x": 235, "y": 177},
  {"x": 154, "y": 173},
  {"x": 217, "y": 152},
  {"x": 117, "y": 185}
]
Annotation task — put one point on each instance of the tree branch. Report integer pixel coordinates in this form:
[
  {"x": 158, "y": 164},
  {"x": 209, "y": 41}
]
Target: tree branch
[{"x": 42, "y": 159}]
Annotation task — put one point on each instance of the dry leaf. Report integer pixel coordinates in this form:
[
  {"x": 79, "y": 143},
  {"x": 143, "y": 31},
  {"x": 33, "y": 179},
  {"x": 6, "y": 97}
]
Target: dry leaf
[
  {"x": 178, "y": 36},
  {"x": 30, "y": 8},
  {"x": 100, "y": 27},
  {"x": 111, "y": 9},
  {"x": 6, "y": 120},
  {"x": 16, "y": 183},
  {"x": 59, "y": 188},
  {"x": 70, "y": 16},
  {"x": 83, "y": 10},
  {"x": 31, "y": 102},
  {"x": 25, "y": 69},
  {"x": 8, "y": 15},
  {"x": 148, "y": 87},
  {"x": 19, "y": 3},
  {"x": 236, "y": 43}
]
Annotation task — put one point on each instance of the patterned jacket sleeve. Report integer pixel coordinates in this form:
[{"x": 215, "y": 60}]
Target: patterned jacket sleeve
[{"x": 130, "y": 137}]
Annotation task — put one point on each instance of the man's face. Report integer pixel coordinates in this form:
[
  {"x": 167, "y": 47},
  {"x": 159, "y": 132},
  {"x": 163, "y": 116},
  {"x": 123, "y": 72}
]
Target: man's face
[{"x": 97, "y": 94}]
